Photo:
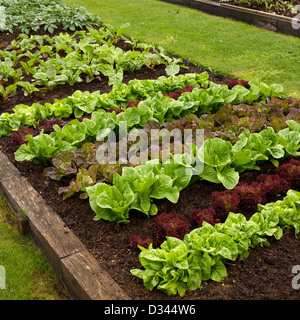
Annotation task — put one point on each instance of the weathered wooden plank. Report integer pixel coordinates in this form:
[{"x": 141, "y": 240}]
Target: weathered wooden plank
[
  {"x": 23, "y": 223},
  {"x": 78, "y": 270},
  {"x": 7, "y": 169},
  {"x": 81, "y": 273},
  {"x": 24, "y": 198},
  {"x": 48, "y": 231}
]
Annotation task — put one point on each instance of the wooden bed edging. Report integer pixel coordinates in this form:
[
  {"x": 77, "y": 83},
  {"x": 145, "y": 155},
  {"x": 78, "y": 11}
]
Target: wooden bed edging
[
  {"x": 74, "y": 266},
  {"x": 265, "y": 20}
]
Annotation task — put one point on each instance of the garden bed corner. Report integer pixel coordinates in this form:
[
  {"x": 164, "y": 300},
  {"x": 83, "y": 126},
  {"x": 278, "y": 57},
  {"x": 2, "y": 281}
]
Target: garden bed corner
[{"x": 74, "y": 266}]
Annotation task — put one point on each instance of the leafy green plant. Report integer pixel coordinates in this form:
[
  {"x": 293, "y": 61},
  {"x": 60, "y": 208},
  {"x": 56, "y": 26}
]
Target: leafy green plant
[
  {"x": 7, "y": 71},
  {"x": 46, "y": 147},
  {"x": 217, "y": 156},
  {"x": 8, "y": 91},
  {"x": 142, "y": 183},
  {"x": 28, "y": 67},
  {"x": 49, "y": 78},
  {"x": 173, "y": 65},
  {"x": 116, "y": 34},
  {"x": 29, "y": 88}
]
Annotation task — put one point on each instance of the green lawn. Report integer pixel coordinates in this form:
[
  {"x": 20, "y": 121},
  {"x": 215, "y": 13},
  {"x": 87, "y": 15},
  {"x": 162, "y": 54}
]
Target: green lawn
[
  {"x": 232, "y": 48},
  {"x": 27, "y": 274}
]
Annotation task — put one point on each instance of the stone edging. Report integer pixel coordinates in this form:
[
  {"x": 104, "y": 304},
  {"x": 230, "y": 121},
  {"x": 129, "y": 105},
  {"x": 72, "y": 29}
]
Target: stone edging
[
  {"x": 74, "y": 266},
  {"x": 272, "y": 22}
]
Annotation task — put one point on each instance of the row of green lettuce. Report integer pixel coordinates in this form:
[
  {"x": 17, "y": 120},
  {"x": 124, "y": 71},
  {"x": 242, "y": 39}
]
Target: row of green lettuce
[
  {"x": 83, "y": 103},
  {"x": 160, "y": 108},
  {"x": 217, "y": 161},
  {"x": 178, "y": 266}
]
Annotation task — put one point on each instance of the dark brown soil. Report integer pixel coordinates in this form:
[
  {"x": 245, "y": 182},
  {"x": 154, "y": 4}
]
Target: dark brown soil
[{"x": 265, "y": 274}]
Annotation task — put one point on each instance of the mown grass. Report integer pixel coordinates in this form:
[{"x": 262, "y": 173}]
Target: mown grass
[
  {"x": 27, "y": 274},
  {"x": 224, "y": 45}
]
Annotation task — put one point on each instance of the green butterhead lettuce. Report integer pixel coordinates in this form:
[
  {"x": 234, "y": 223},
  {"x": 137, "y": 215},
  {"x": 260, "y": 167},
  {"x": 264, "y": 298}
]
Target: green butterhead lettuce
[
  {"x": 41, "y": 148},
  {"x": 110, "y": 203}
]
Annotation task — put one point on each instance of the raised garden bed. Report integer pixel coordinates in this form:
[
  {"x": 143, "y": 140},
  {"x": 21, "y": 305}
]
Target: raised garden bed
[
  {"x": 108, "y": 242},
  {"x": 266, "y": 20}
]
